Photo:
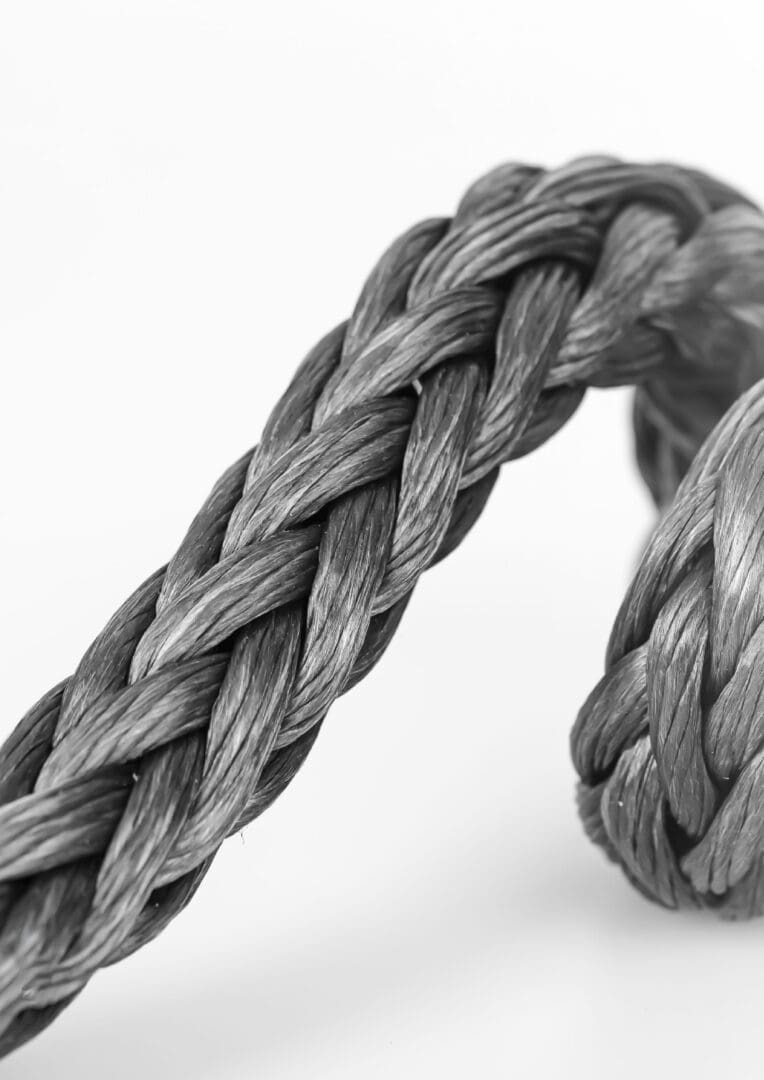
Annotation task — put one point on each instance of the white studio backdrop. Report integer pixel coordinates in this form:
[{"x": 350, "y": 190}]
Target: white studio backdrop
[{"x": 190, "y": 195}]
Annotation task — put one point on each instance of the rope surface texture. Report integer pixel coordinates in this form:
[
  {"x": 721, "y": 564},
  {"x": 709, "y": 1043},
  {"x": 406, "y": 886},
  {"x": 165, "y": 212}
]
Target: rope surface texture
[{"x": 473, "y": 341}]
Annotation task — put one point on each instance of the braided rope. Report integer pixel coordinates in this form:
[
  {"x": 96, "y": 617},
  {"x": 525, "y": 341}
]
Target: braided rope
[{"x": 473, "y": 341}]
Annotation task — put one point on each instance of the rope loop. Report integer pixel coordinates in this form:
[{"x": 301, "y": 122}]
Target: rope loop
[{"x": 473, "y": 341}]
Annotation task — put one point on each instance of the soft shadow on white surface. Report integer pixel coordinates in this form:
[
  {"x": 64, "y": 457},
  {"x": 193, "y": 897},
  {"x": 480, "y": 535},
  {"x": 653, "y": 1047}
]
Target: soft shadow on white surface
[
  {"x": 369, "y": 962},
  {"x": 389, "y": 965}
]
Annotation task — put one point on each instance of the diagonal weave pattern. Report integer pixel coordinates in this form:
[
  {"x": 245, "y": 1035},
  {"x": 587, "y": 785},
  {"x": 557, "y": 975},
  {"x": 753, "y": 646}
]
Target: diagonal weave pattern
[
  {"x": 473, "y": 341},
  {"x": 670, "y": 743}
]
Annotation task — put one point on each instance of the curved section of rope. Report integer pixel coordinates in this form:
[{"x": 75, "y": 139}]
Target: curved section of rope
[
  {"x": 670, "y": 744},
  {"x": 472, "y": 342}
]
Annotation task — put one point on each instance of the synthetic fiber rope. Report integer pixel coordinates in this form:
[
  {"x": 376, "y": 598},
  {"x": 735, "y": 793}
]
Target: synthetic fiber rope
[{"x": 472, "y": 342}]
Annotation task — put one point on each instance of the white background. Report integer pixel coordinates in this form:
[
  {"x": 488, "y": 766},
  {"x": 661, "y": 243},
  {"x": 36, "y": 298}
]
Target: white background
[{"x": 190, "y": 195}]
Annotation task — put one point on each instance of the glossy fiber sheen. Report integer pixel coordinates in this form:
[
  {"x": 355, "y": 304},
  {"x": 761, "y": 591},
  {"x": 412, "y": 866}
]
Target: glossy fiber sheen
[{"x": 473, "y": 341}]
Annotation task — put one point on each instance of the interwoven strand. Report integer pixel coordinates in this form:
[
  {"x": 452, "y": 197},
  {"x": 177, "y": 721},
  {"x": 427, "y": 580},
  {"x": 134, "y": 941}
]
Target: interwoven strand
[{"x": 473, "y": 341}]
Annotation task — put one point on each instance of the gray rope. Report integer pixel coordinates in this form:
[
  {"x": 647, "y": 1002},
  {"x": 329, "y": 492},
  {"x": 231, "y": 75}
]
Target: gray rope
[
  {"x": 473, "y": 341},
  {"x": 670, "y": 744}
]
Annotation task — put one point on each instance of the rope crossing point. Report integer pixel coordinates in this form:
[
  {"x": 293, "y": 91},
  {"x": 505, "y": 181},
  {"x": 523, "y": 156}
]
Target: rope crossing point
[{"x": 473, "y": 341}]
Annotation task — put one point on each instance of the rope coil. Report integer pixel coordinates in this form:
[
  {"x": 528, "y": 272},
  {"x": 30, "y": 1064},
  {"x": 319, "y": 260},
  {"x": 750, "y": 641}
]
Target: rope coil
[{"x": 473, "y": 341}]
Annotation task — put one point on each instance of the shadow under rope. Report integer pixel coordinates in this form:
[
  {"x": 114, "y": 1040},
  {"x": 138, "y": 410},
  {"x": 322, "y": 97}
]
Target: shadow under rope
[{"x": 381, "y": 955}]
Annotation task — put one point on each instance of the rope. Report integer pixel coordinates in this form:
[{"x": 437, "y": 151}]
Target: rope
[{"x": 472, "y": 342}]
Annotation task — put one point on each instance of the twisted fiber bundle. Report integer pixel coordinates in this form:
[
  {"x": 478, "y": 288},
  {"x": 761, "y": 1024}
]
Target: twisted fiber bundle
[{"x": 473, "y": 341}]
